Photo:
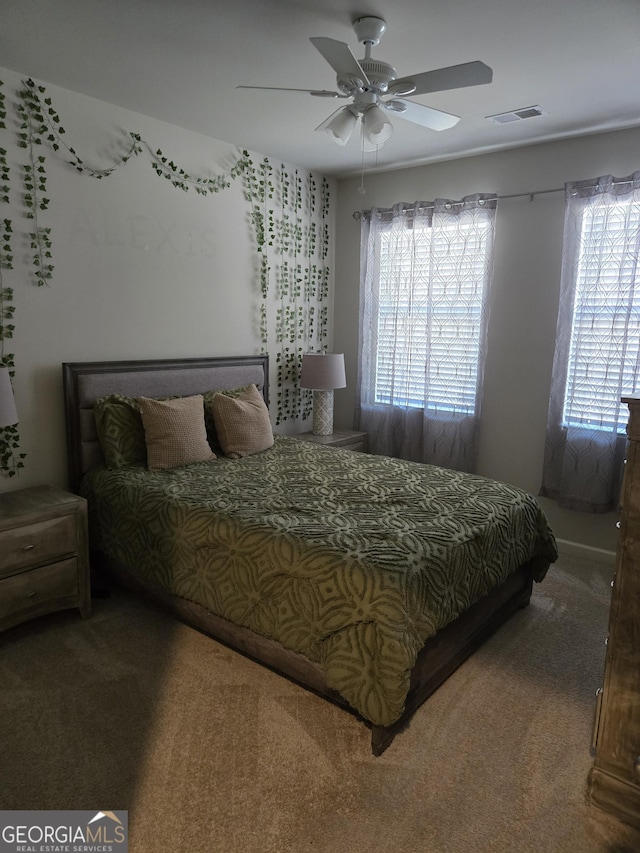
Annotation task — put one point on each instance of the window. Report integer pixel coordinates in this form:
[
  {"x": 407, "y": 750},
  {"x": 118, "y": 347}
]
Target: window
[
  {"x": 604, "y": 351},
  {"x": 424, "y": 284},
  {"x": 429, "y": 319},
  {"x": 596, "y": 357}
]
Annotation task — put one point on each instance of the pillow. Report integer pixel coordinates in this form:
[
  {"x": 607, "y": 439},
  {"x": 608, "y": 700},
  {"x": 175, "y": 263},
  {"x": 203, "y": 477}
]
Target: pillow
[
  {"x": 121, "y": 433},
  {"x": 120, "y": 430},
  {"x": 208, "y": 413},
  {"x": 174, "y": 432},
  {"x": 242, "y": 423}
]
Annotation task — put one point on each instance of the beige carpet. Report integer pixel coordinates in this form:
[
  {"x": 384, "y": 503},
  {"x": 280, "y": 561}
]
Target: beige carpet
[{"x": 211, "y": 752}]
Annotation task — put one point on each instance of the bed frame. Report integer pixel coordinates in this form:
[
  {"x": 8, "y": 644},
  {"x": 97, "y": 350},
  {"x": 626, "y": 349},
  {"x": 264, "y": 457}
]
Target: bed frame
[{"x": 441, "y": 655}]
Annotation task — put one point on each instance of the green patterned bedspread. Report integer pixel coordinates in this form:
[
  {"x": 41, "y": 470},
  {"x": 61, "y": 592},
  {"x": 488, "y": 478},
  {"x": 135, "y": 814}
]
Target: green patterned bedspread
[{"x": 352, "y": 559}]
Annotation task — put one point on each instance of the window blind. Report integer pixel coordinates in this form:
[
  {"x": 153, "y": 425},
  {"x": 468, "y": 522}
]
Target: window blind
[{"x": 431, "y": 291}]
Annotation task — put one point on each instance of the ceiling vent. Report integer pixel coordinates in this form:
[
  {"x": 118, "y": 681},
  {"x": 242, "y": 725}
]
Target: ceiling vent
[{"x": 516, "y": 115}]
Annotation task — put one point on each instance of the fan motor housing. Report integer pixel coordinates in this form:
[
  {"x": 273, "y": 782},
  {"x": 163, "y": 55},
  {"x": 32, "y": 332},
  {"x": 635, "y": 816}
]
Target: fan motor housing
[{"x": 380, "y": 74}]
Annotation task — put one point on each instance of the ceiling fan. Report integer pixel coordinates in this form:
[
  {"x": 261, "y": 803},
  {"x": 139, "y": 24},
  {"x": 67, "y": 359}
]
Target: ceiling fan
[{"x": 375, "y": 89}]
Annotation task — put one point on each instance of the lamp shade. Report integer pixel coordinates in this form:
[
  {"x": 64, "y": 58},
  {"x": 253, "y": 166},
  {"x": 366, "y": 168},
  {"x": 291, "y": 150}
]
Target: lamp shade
[
  {"x": 341, "y": 126},
  {"x": 8, "y": 411},
  {"x": 377, "y": 127},
  {"x": 323, "y": 371}
]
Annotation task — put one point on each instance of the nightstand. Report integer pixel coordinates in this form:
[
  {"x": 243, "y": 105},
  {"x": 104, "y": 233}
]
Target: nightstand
[
  {"x": 347, "y": 438},
  {"x": 44, "y": 554}
]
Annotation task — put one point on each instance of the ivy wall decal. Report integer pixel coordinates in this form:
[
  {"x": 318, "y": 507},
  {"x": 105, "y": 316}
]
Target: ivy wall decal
[
  {"x": 10, "y": 458},
  {"x": 289, "y": 216},
  {"x": 40, "y": 124}
]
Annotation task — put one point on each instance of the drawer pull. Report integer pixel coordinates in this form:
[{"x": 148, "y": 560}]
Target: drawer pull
[
  {"x": 32, "y": 594},
  {"x": 28, "y": 547},
  {"x": 596, "y": 720}
]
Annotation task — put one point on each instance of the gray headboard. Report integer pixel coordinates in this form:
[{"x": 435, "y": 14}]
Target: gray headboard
[{"x": 86, "y": 382}]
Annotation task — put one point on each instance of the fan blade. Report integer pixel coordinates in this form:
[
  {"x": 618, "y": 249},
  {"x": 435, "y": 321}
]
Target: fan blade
[
  {"x": 319, "y": 93},
  {"x": 453, "y": 77},
  {"x": 420, "y": 114},
  {"x": 339, "y": 56}
]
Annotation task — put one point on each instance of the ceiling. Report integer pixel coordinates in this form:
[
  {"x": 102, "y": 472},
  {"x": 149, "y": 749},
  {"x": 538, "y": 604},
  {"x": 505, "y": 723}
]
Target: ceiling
[{"x": 180, "y": 61}]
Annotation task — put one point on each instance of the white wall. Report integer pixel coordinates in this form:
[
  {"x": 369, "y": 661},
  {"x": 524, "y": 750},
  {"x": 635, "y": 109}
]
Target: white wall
[
  {"x": 524, "y": 298},
  {"x": 142, "y": 269}
]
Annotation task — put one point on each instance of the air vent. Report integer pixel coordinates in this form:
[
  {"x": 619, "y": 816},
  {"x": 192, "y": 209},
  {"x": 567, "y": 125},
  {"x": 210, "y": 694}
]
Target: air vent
[{"x": 516, "y": 115}]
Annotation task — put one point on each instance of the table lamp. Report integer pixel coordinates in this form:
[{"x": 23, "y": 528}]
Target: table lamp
[{"x": 323, "y": 372}]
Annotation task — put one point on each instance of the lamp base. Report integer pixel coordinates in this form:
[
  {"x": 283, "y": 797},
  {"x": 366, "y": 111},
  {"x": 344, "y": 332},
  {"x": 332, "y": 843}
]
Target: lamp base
[{"x": 322, "y": 412}]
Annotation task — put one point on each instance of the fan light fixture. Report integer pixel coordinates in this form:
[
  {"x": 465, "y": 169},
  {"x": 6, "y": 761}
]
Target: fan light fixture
[
  {"x": 341, "y": 126},
  {"x": 374, "y": 88},
  {"x": 377, "y": 128}
]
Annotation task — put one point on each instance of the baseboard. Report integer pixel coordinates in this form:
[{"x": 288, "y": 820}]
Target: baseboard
[{"x": 588, "y": 552}]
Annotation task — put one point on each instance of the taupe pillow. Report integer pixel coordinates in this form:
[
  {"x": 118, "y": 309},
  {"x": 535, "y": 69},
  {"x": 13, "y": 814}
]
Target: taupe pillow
[
  {"x": 242, "y": 423},
  {"x": 174, "y": 432},
  {"x": 208, "y": 413}
]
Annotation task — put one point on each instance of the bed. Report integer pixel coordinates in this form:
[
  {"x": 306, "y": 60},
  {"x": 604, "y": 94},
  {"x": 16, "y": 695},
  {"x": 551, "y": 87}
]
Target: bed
[{"x": 366, "y": 579}]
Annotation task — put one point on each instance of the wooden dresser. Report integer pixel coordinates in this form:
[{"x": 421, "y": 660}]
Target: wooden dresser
[
  {"x": 44, "y": 554},
  {"x": 614, "y": 779}
]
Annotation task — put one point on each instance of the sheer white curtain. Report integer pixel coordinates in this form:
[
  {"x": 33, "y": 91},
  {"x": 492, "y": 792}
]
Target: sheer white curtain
[
  {"x": 597, "y": 355},
  {"x": 424, "y": 283}
]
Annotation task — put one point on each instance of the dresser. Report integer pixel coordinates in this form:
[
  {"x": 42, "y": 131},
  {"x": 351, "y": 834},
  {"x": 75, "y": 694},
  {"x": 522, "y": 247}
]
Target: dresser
[
  {"x": 44, "y": 554},
  {"x": 348, "y": 438},
  {"x": 614, "y": 779}
]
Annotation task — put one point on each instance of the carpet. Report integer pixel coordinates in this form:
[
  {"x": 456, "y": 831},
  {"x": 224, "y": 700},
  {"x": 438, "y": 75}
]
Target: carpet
[{"x": 208, "y": 751}]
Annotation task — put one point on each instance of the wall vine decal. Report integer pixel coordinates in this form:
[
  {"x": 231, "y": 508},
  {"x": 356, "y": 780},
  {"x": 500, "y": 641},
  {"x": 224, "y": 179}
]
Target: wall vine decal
[
  {"x": 34, "y": 176},
  {"x": 40, "y": 123},
  {"x": 166, "y": 168},
  {"x": 10, "y": 459},
  {"x": 288, "y": 220},
  {"x": 288, "y": 214}
]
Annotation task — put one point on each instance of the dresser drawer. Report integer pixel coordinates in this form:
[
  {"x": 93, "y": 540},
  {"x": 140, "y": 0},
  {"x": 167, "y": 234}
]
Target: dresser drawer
[
  {"x": 38, "y": 591},
  {"x": 40, "y": 542}
]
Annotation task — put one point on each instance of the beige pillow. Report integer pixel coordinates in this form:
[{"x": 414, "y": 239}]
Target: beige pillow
[
  {"x": 242, "y": 423},
  {"x": 174, "y": 432}
]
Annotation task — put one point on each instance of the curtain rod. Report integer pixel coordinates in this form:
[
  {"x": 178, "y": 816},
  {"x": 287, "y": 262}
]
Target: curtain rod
[{"x": 357, "y": 214}]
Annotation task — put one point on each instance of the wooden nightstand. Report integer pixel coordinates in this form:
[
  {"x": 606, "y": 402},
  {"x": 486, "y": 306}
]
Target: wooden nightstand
[
  {"x": 347, "y": 438},
  {"x": 44, "y": 554}
]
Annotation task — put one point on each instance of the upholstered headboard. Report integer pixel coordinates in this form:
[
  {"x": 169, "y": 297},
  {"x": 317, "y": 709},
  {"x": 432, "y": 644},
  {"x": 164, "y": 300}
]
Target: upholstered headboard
[{"x": 86, "y": 382}]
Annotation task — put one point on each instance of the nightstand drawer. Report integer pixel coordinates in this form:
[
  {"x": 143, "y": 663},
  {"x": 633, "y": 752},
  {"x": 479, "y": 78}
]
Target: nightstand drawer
[
  {"x": 348, "y": 439},
  {"x": 36, "y": 543},
  {"x": 38, "y": 591},
  {"x": 357, "y": 446}
]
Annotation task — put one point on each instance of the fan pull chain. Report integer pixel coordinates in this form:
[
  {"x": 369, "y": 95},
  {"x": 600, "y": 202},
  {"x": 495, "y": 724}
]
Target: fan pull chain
[{"x": 361, "y": 188}]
